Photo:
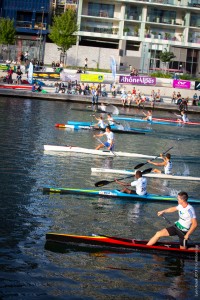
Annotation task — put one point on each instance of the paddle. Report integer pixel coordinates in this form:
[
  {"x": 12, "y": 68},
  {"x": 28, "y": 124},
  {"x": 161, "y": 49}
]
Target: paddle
[
  {"x": 174, "y": 226},
  {"x": 105, "y": 182},
  {"x": 105, "y": 146},
  {"x": 142, "y": 164}
]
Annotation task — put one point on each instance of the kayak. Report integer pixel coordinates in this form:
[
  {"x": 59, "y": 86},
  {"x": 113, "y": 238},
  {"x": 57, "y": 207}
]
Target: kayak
[
  {"x": 122, "y": 243},
  {"x": 156, "y": 121},
  {"x": 113, "y": 127},
  {"x": 90, "y": 126},
  {"x": 153, "y": 175},
  {"x": 95, "y": 152},
  {"x": 114, "y": 194},
  {"x": 85, "y": 127}
]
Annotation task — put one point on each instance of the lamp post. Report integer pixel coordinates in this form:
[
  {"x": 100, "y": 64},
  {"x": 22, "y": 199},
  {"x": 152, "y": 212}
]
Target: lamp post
[{"x": 41, "y": 30}]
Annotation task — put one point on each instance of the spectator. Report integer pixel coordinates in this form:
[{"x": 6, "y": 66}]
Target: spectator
[
  {"x": 19, "y": 76},
  {"x": 9, "y": 76},
  {"x": 26, "y": 56},
  {"x": 53, "y": 65},
  {"x": 174, "y": 97},
  {"x": 129, "y": 98},
  {"x": 195, "y": 99},
  {"x": 124, "y": 97},
  {"x": 158, "y": 96},
  {"x": 113, "y": 91},
  {"x": 86, "y": 63}
]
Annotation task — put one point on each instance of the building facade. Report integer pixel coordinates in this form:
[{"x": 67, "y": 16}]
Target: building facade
[
  {"x": 31, "y": 20},
  {"x": 140, "y": 30}
]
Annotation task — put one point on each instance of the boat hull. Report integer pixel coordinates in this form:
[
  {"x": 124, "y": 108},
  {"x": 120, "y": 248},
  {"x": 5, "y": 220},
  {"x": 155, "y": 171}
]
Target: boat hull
[
  {"x": 94, "y": 152},
  {"x": 151, "y": 175},
  {"x": 156, "y": 121},
  {"x": 90, "y": 127},
  {"x": 121, "y": 243},
  {"x": 115, "y": 194}
]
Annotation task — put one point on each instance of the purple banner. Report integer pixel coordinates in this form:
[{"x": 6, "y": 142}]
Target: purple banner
[
  {"x": 181, "y": 84},
  {"x": 141, "y": 80}
]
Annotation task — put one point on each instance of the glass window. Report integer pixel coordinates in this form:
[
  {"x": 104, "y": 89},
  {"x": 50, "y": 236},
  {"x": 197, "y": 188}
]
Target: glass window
[{"x": 101, "y": 10}]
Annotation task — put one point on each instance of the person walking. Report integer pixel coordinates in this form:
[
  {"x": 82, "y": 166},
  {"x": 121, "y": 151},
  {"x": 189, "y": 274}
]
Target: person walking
[{"x": 184, "y": 227}]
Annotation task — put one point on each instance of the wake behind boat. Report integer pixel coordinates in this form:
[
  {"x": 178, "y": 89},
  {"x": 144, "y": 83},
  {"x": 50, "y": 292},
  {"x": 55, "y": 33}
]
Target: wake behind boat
[
  {"x": 94, "y": 152},
  {"x": 114, "y": 194},
  {"x": 153, "y": 175},
  {"x": 121, "y": 244}
]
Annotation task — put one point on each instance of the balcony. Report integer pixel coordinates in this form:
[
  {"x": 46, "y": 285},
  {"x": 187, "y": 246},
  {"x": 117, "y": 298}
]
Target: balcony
[{"x": 24, "y": 24}]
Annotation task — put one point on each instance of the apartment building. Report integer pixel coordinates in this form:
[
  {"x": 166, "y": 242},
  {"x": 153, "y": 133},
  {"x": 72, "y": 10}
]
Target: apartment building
[
  {"x": 140, "y": 30},
  {"x": 31, "y": 20}
]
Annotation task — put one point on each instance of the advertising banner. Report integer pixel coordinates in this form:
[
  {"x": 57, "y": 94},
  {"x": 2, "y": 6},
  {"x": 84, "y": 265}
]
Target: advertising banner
[
  {"x": 140, "y": 80},
  {"x": 197, "y": 85},
  {"x": 92, "y": 77},
  {"x": 181, "y": 84},
  {"x": 46, "y": 75}
]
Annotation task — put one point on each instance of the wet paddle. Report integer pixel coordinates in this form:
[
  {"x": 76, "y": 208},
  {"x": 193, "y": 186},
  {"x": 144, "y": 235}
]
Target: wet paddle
[
  {"x": 142, "y": 164},
  {"x": 105, "y": 146},
  {"x": 105, "y": 182}
]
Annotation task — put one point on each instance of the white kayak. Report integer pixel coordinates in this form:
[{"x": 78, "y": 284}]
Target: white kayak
[
  {"x": 153, "y": 175},
  {"x": 95, "y": 152}
]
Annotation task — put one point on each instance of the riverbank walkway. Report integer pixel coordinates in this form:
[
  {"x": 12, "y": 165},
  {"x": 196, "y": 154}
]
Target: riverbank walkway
[{"x": 165, "y": 89}]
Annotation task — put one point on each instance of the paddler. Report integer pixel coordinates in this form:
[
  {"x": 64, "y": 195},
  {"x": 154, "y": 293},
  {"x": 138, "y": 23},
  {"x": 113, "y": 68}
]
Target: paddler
[
  {"x": 100, "y": 123},
  {"x": 148, "y": 115},
  {"x": 140, "y": 183},
  {"x": 110, "y": 120},
  {"x": 167, "y": 164},
  {"x": 183, "y": 116},
  {"x": 110, "y": 139},
  {"x": 184, "y": 227}
]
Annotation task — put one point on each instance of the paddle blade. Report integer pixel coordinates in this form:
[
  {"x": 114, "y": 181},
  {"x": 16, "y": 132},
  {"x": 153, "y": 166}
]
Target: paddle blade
[
  {"x": 102, "y": 183},
  {"x": 146, "y": 171},
  {"x": 139, "y": 166}
]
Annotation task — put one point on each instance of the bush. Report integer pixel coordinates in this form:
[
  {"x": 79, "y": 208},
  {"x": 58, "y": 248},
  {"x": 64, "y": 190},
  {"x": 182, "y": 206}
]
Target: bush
[{"x": 161, "y": 75}]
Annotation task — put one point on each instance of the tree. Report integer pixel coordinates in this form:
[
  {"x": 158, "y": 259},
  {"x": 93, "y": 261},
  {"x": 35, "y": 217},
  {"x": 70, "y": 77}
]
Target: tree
[
  {"x": 7, "y": 33},
  {"x": 63, "y": 29},
  {"x": 166, "y": 57}
]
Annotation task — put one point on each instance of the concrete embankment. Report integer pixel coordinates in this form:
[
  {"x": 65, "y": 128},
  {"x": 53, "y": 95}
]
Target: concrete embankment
[{"x": 52, "y": 96}]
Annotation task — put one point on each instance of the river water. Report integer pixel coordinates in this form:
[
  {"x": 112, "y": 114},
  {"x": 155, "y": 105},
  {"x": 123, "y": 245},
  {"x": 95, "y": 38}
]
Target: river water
[{"x": 32, "y": 270}]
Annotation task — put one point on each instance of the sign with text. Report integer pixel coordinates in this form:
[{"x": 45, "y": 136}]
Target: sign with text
[
  {"x": 92, "y": 77},
  {"x": 197, "y": 85},
  {"x": 181, "y": 84},
  {"x": 140, "y": 80}
]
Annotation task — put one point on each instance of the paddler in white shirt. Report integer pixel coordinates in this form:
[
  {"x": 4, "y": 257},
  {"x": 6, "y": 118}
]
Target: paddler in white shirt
[
  {"x": 110, "y": 139},
  {"x": 148, "y": 115},
  {"x": 184, "y": 227},
  {"x": 110, "y": 120},
  {"x": 140, "y": 183},
  {"x": 166, "y": 163},
  {"x": 100, "y": 123},
  {"x": 183, "y": 116}
]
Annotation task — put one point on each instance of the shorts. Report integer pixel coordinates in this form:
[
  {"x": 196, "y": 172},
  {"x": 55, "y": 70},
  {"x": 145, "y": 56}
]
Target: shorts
[
  {"x": 108, "y": 145},
  {"x": 173, "y": 230}
]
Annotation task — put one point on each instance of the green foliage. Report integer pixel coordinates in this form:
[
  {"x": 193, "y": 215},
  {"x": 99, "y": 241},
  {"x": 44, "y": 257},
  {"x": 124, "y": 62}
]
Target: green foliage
[
  {"x": 7, "y": 31},
  {"x": 186, "y": 77},
  {"x": 63, "y": 29},
  {"x": 166, "y": 56},
  {"x": 161, "y": 75}
]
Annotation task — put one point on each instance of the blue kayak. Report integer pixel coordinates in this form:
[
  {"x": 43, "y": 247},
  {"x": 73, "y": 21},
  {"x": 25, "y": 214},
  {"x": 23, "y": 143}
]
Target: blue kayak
[
  {"x": 146, "y": 121},
  {"x": 115, "y": 194},
  {"x": 113, "y": 127}
]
